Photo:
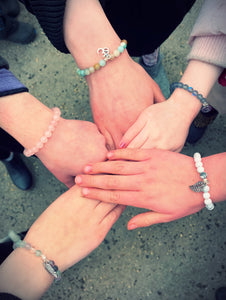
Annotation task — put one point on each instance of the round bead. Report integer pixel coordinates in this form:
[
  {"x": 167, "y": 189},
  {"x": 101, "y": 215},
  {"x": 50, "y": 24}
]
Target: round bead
[
  {"x": 198, "y": 164},
  {"x": 102, "y": 63},
  {"x": 44, "y": 139},
  {"x": 27, "y": 246},
  {"x": 123, "y": 44},
  {"x": 206, "y": 189},
  {"x": 38, "y": 253},
  {"x": 207, "y": 201},
  {"x": 91, "y": 70},
  {"x": 195, "y": 93},
  {"x": 120, "y": 49},
  {"x": 190, "y": 89},
  {"x": 86, "y": 72},
  {"x": 210, "y": 206},
  {"x": 203, "y": 175},
  {"x": 116, "y": 53},
  {"x": 48, "y": 133},
  {"x": 97, "y": 66},
  {"x": 200, "y": 97},
  {"x": 206, "y": 195},
  {"x": 200, "y": 169},
  {"x": 82, "y": 73},
  {"x": 185, "y": 86},
  {"x": 197, "y": 156}
]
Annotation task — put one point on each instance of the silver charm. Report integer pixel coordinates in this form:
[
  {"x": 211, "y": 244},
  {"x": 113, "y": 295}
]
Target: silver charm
[
  {"x": 105, "y": 53},
  {"x": 198, "y": 186}
]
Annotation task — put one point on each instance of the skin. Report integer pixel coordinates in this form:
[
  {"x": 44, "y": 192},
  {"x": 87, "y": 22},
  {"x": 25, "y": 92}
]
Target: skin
[
  {"x": 157, "y": 180},
  {"x": 88, "y": 221}
]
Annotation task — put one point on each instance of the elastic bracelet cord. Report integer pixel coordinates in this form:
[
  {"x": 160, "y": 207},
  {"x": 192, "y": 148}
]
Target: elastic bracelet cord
[
  {"x": 202, "y": 186},
  {"x": 49, "y": 265},
  {"x": 47, "y": 134},
  {"x": 205, "y": 105},
  {"x": 106, "y": 57}
]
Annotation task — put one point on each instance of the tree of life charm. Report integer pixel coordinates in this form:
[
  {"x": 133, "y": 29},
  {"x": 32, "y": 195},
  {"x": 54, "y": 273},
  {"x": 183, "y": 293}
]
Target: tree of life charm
[{"x": 105, "y": 52}]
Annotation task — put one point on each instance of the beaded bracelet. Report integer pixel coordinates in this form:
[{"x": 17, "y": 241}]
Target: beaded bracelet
[
  {"x": 202, "y": 186},
  {"x": 49, "y": 265},
  {"x": 47, "y": 134},
  {"x": 205, "y": 105},
  {"x": 106, "y": 57}
]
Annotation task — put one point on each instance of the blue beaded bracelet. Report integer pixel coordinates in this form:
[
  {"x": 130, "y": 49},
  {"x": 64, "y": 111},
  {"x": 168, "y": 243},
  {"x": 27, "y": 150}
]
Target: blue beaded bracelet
[
  {"x": 106, "y": 57},
  {"x": 49, "y": 265},
  {"x": 205, "y": 105}
]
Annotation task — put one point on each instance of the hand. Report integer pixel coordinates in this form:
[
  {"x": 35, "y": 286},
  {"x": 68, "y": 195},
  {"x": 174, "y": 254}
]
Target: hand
[
  {"x": 163, "y": 125},
  {"x": 157, "y": 180},
  {"x": 72, "y": 145},
  {"x": 71, "y": 227},
  {"x": 118, "y": 94}
]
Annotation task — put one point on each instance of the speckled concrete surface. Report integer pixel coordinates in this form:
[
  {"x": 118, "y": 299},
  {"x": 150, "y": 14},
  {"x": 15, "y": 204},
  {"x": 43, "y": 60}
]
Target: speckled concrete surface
[{"x": 183, "y": 260}]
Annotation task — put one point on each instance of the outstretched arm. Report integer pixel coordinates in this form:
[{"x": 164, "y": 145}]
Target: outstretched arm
[{"x": 88, "y": 221}]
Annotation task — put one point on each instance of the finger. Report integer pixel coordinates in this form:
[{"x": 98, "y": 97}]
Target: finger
[
  {"x": 119, "y": 167},
  {"x": 139, "y": 141},
  {"x": 131, "y": 198},
  {"x": 158, "y": 95},
  {"x": 132, "y": 132},
  {"x": 147, "y": 219},
  {"x": 129, "y": 154},
  {"x": 112, "y": 216},
  {"x": 109, "y": 182}
]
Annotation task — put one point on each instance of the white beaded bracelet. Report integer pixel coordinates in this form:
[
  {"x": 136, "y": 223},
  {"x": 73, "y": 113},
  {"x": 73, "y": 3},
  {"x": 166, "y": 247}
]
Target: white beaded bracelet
[
  {"x": 47, "y": 134},
  {"x": 202, "y": 186}
]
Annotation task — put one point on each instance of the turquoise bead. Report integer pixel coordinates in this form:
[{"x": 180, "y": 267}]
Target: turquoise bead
[
  {"x": 38, "y": 253},
  {"x": 82, "y": 73},
  {"x": 121, "y": 49},
  {"x": 102, "y": 63},
  {"x": 203, "y": 175}
]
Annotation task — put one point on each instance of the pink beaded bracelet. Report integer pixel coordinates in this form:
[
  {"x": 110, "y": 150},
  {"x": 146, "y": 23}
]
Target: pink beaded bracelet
[{"x": 48, "y": 133}]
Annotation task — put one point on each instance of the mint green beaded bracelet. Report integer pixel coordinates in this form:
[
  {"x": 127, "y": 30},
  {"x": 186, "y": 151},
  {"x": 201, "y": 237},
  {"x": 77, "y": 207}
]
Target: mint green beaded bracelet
[
  {"x": 106, "y": 57},
  {"x": 49, "y": 265}
]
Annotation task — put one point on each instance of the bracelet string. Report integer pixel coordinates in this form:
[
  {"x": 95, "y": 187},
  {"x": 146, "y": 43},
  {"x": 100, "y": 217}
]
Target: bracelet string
[
  {"x": 47, "y": 134},
  {"x": 107, "y": 56},
  {"x": 202, "y": 185},
  {"x": 49, "y": 265}
]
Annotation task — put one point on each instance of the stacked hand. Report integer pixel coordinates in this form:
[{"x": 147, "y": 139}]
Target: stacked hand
[{"x": 157, "y": 180}]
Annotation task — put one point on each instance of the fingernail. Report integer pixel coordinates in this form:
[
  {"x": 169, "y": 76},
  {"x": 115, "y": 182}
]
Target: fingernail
[
  {"x": 78, "y": 179},
  {"x": 110, "y": 155},
  {"x": 122, "y": 145},
  {"x": 85, "y": 192},
  {"x": 132, "y": 226},
  {"x": 87, "y": 169}
]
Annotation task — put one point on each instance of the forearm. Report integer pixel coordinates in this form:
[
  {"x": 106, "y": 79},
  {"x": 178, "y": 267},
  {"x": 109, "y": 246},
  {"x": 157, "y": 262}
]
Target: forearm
[
  {"x": 23, "y": 275},
  {"x": 24, "y": 117},
  {"x": 200, "y": 76}
]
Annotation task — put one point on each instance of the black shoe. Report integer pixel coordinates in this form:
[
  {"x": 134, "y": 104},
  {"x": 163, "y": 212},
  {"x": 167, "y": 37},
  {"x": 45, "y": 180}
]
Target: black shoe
[
  {"x": 12, "y": 7},
  {"x": 200, "y": 124},
  {"x": 6, "y": 246},
  {"x": 18, "y": 171},
  {"x": 3, "y": 63},
  {"x": 221, "y": 293}
]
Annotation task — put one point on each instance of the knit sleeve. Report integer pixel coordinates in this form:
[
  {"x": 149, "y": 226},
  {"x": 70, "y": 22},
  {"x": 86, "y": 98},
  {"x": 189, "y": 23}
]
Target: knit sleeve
[{"x": 50, "y": 15}]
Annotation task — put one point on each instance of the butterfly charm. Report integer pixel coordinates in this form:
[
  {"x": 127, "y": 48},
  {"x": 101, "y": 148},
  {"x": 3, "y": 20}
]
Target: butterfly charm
[{"x": 198, "y": 186}]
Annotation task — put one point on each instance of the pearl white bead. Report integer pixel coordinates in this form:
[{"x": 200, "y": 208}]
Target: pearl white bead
[
  {"x": 206, "y": 195},
  {"x": 197, "y": 156},
  {"x": 198, "y": 164},
  {"x": 200, "y": 169},
  {"x": 208, "y": 201}
]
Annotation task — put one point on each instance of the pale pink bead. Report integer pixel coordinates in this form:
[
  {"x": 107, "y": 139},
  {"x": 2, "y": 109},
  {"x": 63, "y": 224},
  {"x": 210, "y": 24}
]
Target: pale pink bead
[
  {"x": 44, "y": 139},
  {"x": 40, "y": 145},
  {"x": 51, "y": 127},
  {"x": 48, "y": 133}
]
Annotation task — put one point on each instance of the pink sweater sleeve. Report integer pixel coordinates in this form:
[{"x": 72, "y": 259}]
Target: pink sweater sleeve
[{"x": 208, "y": 36}]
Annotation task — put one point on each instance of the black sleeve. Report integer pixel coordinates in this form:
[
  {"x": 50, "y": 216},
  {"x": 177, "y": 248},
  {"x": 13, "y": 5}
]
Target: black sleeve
[{"x": 4, "y": 296}]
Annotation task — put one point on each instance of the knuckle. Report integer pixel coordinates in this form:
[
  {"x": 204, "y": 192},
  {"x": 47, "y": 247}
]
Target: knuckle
[
  {"x": 114, "y": 196},
  {"x": 119, "y": 167}
]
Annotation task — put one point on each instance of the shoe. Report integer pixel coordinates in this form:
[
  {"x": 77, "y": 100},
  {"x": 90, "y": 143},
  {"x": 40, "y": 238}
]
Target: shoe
[
  {"x": 11, "y": 7},
  {"x": 3, "y": 63},
  {"x": 18, "y": 172},
  {"x": 158, "y": 74},
  {"x": 200, "y": 124},
  {"x": 6, "y": 246},
  {"x": 14, "y": 31},
  {"x": 221, "y": 293}
]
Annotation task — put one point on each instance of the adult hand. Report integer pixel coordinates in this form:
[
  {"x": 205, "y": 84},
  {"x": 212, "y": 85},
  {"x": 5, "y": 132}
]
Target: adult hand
[
  {"x": 73, "y": 144},
  {"x": 154, "y": 179},
  {"x": 118, "y": 94},
  {"x": 163, "y": 125},
  {"x": 87, "y": 223}
]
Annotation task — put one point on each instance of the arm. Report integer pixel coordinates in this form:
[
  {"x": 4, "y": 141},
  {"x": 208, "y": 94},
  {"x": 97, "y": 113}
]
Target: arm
[
  {"x": 73, "y": 143},
  {"x": 120, "y": 90},
  {"x": 88, "y": 221},
  {"x": 157, "y": 180}
]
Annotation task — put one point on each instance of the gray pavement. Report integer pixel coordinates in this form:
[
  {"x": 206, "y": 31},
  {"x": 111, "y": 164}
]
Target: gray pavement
[{"x": 182, "y": 260}]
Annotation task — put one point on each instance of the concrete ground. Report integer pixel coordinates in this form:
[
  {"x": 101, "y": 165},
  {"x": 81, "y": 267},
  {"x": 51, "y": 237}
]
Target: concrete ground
[{"x": 182, "y": 260}]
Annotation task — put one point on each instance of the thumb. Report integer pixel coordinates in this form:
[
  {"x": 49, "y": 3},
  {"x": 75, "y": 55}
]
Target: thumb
[{"x": 147, "y": 219}]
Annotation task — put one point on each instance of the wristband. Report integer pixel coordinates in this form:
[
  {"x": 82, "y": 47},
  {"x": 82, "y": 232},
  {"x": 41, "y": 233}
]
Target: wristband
[{"x": 9, "y": 84}]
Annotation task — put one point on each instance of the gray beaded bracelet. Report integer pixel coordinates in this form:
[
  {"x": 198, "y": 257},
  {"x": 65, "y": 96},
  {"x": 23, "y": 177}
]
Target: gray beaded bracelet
[
  {"x": 49, "y": 265},
  {"x": 205, "y": 105},
  {"x": 202, "y": 186}
]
